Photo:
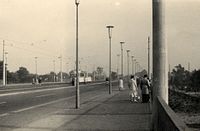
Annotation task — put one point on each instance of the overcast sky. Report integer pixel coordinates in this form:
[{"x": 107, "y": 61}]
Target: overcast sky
[{"x": 46, "y": 29}]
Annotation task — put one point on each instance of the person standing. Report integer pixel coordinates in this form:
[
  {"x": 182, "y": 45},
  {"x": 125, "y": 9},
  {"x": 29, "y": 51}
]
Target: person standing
[
  {"x": 145, "y": 85},
  {"x": 133, "y": 89},
  {"x": 121, "y": 84}
]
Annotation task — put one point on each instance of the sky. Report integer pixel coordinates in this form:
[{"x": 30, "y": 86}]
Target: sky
[{"x": 46, "y": 29}]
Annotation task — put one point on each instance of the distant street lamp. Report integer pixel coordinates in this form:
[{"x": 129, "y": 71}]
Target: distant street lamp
[
  {"x": 118, "y": 61},
  {"x": 77, "y": 2},
  {"x": 122, "y": 58},
  {"x": 54, "y": 71},
  {"x": 36, "y": 69},
  {"x": 110, "y": 36},
  {"x": 132, "y": 65},
  {"x": 128, "y": 62},
  {"x": 4, "y": 69},
  {"x": 61, "y": 74},
  {"x": 6, "y": 66}
]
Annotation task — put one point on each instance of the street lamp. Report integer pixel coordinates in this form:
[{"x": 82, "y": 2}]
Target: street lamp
[
  {"x": 4, "y": 71},
  {"x": 61, "y": 74},
  {"x": 110, "y": 36},
  {"x": 6, "y": 66},
  {"x": 118, "y": 62},
  {"x": 128, "y": 62},
  {"x": 77, "y": 2},
  {"x": 54, "y": 71},
  {"x": 36, "y": 69},
  {"x": 132, "y": 65},
  {"x": 122, "y": 57}
]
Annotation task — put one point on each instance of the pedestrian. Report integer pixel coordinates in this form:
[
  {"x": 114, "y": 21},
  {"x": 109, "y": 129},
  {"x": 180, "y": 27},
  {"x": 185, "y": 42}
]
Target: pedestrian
[
  {"x": 121, "y": 84},
  {"x": 133, "y": 89},
  {"x": 145, "y": 85}
]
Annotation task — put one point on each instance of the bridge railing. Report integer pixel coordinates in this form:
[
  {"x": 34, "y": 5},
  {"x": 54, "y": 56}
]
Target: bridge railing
[{"x": 167, "y": 118}]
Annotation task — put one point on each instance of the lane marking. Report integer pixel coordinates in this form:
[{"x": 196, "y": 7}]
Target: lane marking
[
  {"x": 40, "y": 105},
  {"x": 1, "y": 103},
  {"x": 5, "y": 114},
  {"x": 44, "y": 95},
  {"x": 32, "y": 91},
  {"x": 42, "y": 90}
]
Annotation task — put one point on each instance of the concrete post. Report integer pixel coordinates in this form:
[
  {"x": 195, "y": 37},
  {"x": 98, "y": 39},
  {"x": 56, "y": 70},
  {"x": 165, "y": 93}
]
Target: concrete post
[
  {"x": 122, "y": 74},
  {"x": 160, "y": 61},
  {"x": 77, "y": 60},
  {"x": 149, "y": 58},
  {"x": 4, "y": 67}
]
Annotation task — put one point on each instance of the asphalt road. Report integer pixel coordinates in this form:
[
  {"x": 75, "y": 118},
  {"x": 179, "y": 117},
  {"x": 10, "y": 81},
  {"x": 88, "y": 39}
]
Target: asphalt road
[{"x": 18, "y": 107}]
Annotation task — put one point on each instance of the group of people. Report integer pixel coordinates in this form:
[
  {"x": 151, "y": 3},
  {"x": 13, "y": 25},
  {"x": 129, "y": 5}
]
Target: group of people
[{"x": 139, "y": 88}]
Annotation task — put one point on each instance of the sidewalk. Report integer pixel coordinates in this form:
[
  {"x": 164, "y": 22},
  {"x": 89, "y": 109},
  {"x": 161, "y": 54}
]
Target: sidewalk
[{"x": 102, "y": 112}]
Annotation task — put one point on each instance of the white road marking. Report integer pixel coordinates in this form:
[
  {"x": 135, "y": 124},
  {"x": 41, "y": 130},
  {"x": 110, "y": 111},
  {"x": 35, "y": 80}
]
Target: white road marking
[
  {"x": 40, "y": 105},
  {"x": 1, "y": 103},
  {"x": 42, "y": 90},
  {"x": 5, "y": 114},
  {"x": 44, "y": 95},
  {"x": 34, "y": 91}
]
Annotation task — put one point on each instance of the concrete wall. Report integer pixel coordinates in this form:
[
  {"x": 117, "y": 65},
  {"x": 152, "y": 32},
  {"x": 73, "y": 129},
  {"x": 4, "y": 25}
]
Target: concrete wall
[{"x": 167, "y": 118}]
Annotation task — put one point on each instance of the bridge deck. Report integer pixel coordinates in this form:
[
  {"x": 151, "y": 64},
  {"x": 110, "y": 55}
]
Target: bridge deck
[{"x": 109, "y": 112}]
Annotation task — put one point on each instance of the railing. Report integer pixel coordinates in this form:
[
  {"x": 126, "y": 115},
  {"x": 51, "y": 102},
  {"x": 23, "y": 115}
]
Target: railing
[{"x": 167, "y": 118}]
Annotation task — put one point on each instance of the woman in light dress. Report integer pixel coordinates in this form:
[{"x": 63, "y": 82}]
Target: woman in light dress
[
  {"x": 133, "y": 89},
  {"x": 121, "y": 84}
]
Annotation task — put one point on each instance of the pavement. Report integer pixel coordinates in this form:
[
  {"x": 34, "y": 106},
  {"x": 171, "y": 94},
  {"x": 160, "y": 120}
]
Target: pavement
[{"x": 98, "y": 111}]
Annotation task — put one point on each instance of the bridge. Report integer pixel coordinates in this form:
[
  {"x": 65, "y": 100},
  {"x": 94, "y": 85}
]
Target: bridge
[{"x": 98, "y": 110}]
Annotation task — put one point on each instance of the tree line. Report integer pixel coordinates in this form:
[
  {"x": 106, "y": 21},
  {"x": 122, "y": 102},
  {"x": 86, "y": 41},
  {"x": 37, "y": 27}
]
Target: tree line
[
  {"x": 22, "y": 75},
  {"x": 183, "y": 79}
]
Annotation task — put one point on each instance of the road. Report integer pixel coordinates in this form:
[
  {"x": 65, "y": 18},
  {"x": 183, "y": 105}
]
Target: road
[{"x": 21, "y": 106}]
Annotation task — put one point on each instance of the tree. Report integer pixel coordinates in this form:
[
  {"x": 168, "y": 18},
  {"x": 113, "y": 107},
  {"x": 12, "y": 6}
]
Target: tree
[
  {"x": 23, "y": 75},
  {"x": 99, "y": 70},
  {"x": 113, "y": 75},
  {"x": 195, "y": 80},
  {"x": 180, "y": 77}
]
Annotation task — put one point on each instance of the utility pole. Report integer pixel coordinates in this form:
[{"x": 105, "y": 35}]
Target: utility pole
[
  {"x": 54, "y": 71},
  {"x": 61, "y": 74},
  {"x": 110, "y": 61},
  {"x": 149, "y": 62},
  {"x": 6, "y": 66},
  {"x": 4, "y": 69},
  {"x": 128, "y": 62},
  {"x": 160, "y": 59},
  {"x": 36, "y": 70},
  {"x": 122, "y": 54}
]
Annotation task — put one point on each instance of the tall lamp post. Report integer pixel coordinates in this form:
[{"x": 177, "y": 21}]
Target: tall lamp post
[
  {"x": 36, "y": 69},
  {"x": 149, "y": 66},
  {"x": 122, "y": 58},
  {"x": 61, "y": 74},
  {"x": 6, "y": 66},
  {"x": 4, "y": 71},
  {"x": 136, "y": 64},
  {"x": 54, "y": 71},
  {"x": 118, "y": 58},
  {"x": 110, "y": 36},
  {"x": 128, "y": 62},
  {"x": 132, "y": 64},
  {"x": 77, "y": 2}
]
